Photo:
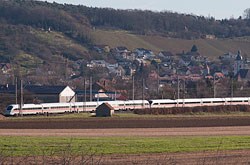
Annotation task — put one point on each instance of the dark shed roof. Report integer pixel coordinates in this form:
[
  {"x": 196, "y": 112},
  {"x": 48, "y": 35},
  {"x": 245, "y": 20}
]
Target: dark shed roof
[
  {"x": 45, "y": 89},
  {"x": 33, "y": 89},
  {"x": 104, "y": 105},
  {"x": 7, "y": 89}
]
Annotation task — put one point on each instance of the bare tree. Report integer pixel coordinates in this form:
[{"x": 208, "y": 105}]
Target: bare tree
[{"x": 246, "y": 13}]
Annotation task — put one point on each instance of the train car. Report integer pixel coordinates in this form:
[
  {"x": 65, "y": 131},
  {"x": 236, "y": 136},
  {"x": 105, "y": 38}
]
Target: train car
[
  {"x": 136, "y": 104},
  {"x": 238, "y": 101},
  {"x": 29, "y": 109},
  {"x": 84, "y": 106},
  {"x": 163, "y": 103},
  {"x": 14, "y": 109},
  {"x": 167, "y": 103},
  {"x": 46, "y": 108},
  {"x": 213, "y": 101}
]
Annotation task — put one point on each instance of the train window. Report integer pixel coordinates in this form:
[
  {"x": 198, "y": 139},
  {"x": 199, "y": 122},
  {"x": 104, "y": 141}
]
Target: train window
[
  {"x": 156, "y": 104},
  {"x": 91, "y": 106},
  {"x": 139, "y": 104},
  {"x": 46, "y": 108},
  {"x": 120, "y": 104},
  {"x": 62, "y": 107},
  {"x": 81, "y": 106},
  {"x": 235, "y": 101},
  {"x": 246, "y": 101},
  {"x": 218, "y": 101},
  {"x": 9, "y": 108},
  {"x": 192, "y": 102},
  {"x": 32, "y": 108},
  {"x": 180, "y": 102},
  {"x": 166, "y": 103},
  {"x": 206, "y": 102}
]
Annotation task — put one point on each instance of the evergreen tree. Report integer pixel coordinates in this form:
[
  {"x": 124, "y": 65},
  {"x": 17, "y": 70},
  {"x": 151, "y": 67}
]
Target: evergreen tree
[{"x": 194, "y": 48}]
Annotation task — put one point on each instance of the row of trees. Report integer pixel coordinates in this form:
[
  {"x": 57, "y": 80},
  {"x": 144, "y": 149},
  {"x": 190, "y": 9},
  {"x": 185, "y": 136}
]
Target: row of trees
[
  {"x": 36, "y": 15},
  {"x": 167, "y": 23},
  {"x": 73, "y": 20}
]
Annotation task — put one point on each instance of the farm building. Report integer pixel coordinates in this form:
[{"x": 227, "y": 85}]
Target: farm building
[
  {"x": 104, "y": 110},
  {"x": 46, "y": 94}
]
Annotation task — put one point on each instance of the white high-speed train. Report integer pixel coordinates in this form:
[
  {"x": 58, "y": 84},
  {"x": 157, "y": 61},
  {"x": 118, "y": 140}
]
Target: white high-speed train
[
  {"x": 45, "y": 108},
  {"x": 29, "y": 109}
]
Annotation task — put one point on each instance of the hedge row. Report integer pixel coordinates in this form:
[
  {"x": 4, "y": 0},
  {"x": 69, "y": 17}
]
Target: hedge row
[{"x": 182, "y": 110}]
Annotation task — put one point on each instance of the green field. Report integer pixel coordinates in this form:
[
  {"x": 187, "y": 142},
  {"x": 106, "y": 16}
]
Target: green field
[{"x": 23, "y": 146}]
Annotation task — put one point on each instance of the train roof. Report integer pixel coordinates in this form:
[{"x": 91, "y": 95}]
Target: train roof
[
  {"x": 200, "y": 99},
  {"x": 163, "y": 101},
  {"x": 238, "y": 98}
]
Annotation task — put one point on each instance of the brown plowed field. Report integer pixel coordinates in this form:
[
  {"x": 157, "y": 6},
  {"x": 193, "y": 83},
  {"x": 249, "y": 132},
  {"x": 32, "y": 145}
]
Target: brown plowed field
[
  {"x": 137, "y": 127},
  {"x": 107, "y": 123}
]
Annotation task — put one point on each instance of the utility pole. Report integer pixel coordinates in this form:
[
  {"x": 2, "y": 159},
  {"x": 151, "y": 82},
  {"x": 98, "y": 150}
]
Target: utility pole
[
  {"x": 197, "y": 89},
  {"x": 214, "y": 92},
  {"x": 184, "y": 86},
  {"x": 84, "y": 97},
  {"x": 21, "y": 99},
  {"x": 115, "y": 95},
  {"x": 133, "y": 88},
  {"x": 158, "y": 81},
  {"x": 66, "y": 69},
  {"x": 143, "y": 92},
  {"x": 178, "y": 87},
  {"x": 90, "y": 89},
  {"x": 232, "y": 89},
  {"x": 16, "y": 92},
  {"x": 85, "y": 92}
]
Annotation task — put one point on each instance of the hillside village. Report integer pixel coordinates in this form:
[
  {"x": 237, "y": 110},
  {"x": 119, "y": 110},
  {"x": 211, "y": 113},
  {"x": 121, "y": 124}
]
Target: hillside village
[
  {"x": 182, "y": 75},
  {"x": 84, "y": 47}
]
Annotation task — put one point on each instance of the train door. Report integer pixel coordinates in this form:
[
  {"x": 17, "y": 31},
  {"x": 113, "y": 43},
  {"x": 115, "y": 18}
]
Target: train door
[{"x": 42, "y": 110}]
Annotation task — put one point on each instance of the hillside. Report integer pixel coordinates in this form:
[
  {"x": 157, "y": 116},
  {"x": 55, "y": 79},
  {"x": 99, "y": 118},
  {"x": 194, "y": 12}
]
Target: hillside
[
  {"x": 34, "y": 32},
  {"x": 207, "y": 47}
]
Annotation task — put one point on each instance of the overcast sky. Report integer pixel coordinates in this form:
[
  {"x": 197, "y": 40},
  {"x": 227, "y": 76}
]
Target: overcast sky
[{"x": 217, "y": 8}]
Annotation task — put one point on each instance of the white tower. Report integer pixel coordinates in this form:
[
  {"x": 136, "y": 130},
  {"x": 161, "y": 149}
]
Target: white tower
[{"x": 238, "y": 63}]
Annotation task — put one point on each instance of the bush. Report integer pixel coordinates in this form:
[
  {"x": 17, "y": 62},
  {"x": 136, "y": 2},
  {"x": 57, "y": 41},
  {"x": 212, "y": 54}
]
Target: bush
[{"x": 182, "y": 110}]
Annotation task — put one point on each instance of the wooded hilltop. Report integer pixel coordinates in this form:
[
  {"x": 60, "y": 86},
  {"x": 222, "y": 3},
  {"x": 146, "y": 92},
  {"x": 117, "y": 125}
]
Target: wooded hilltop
[{"x": 21, "y": 20}]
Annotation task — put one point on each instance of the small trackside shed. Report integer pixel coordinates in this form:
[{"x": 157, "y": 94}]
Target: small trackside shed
[{"x": 104, "y": 110}]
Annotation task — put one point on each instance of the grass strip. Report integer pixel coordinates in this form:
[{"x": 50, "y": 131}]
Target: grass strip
[
  {"x": 56, "y": 146},
  {"x": 131, "y": 115}
]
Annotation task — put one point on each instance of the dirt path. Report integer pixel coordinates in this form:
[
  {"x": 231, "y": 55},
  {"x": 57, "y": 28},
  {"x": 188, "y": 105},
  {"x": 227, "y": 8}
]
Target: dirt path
[{"x": 131, "y": 132}]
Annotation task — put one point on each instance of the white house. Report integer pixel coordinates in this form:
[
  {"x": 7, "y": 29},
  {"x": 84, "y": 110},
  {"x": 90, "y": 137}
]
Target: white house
[{"x": 67, "y": 95}]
